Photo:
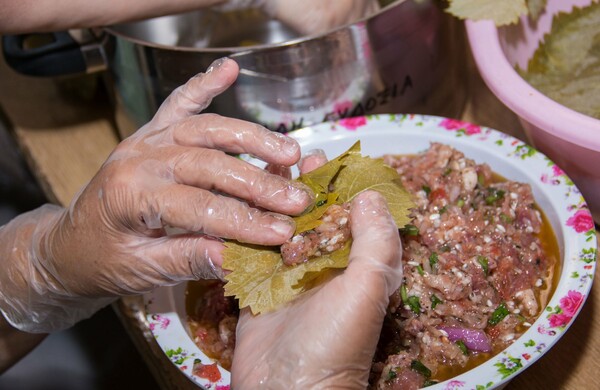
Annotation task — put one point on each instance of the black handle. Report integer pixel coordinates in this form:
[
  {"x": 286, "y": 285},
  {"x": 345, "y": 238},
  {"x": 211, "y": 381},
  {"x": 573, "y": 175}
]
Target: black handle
[{"x": 61, "y": 56}]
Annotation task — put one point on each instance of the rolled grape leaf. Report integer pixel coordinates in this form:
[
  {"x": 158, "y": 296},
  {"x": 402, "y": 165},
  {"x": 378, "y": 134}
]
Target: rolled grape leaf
[{"x": 259, "y": 278}]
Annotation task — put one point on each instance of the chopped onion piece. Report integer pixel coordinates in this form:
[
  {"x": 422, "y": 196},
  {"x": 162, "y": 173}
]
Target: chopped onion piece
[{"x": 474, "y": 339}]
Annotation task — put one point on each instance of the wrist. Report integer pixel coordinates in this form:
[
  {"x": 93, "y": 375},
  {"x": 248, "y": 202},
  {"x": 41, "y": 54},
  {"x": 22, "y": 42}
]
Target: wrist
[
  {"x": 15, "y": 344},
  {"x": 21, "y": 283}
]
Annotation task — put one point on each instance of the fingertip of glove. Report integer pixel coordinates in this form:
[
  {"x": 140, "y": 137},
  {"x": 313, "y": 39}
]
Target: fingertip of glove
[
  {"x": 218, "y": 63},
  {"x": 371, "y": 203},
  {"x": 312, "y": 160}
]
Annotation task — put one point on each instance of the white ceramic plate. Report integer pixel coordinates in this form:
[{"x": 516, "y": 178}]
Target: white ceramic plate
[{"x": 379, "y": 134}]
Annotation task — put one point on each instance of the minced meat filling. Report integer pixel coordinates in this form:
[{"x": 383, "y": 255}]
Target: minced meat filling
[
  {"x": 331, "y": 235},
  {"x": 472, "y": 262},
  {"x": 473, "y": 267},
  {"x": 213, "y": 320}
]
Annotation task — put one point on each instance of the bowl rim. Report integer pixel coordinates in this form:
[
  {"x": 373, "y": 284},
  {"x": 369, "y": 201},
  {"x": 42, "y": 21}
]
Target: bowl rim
[
  {"x": 237, "y": 51},
  {"x": 497, "y": 72}
]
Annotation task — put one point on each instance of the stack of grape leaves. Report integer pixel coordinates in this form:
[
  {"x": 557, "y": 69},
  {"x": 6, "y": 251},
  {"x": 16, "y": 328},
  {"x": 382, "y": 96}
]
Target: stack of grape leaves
[
  {"x": 260, "y": 280},
  {"x": 566, "y": 65}
]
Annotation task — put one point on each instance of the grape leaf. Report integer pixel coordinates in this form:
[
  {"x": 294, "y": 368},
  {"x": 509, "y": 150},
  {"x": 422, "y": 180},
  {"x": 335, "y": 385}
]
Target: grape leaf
[
  {"x": 535, "y": 8},
  {"x": 311, "y": 219},
  {"x": 566, "y": 65},
  {"x": 364, "y": 173},
  {"x": 502, "y": 12},
  {"x": 319, "y": 179},
  {"x": 260, "y": 279}
]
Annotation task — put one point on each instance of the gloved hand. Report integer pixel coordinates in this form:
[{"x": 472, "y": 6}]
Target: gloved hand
[
  {"x": 62, "y": 265},
  {"x": 327, "y": 337},
  {"x": 310, "y": 16}
]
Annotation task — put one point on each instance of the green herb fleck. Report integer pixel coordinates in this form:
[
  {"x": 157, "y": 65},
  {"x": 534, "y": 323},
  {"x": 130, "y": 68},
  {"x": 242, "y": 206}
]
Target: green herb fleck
[
  {"x": 435, "y": 301},
  {"x": 433, "y": 260},
  {"x": 409, "y": 230},
  {"x": 403, "y": 293},
  {"x": 420, "y": 368},
  {"x": 427, "y": 190},
  {"x": 483, "y": 261},
  {"x": 463, "y": 348},
  {"x": 493, "y": 196},
  {"x": 420, "y": 270},
  {"x": 498, "y": 314},
  {"x": 391, "y": 375},
  {"x": 414, "y": 304}
]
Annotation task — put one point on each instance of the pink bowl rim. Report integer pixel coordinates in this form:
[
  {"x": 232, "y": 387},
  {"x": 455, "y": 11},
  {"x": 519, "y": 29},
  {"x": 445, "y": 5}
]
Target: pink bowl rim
[{"x": 531, "y": 105}]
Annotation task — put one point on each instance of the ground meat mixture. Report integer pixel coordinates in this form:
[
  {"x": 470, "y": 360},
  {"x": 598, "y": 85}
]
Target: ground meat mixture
[
  {"x": 472, "y": 262},
  {"x": 212, "y": 318},
  {"x": 473, "y": 265},
  {"x": 331, "y": 235}
]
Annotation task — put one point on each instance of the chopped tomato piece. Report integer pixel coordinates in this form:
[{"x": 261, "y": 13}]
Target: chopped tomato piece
[{"x": 207, "y": 371}]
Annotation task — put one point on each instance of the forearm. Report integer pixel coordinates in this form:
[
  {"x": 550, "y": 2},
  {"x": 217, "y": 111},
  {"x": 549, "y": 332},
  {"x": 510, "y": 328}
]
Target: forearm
[
  {"x": 15, "y": 344},
  {"x": 20, "y": 242},
  {"x": 34, "y": 293},
  {"x": 21, "y": 16}
]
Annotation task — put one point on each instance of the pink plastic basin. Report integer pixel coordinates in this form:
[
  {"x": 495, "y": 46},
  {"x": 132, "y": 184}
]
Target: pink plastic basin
[{"x": 570, "y": 139}]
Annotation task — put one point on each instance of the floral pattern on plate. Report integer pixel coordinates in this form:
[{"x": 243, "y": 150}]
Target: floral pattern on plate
[{"x": 167, "y": 322}]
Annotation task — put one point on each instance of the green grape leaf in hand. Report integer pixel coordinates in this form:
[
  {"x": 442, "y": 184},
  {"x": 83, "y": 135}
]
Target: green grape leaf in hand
[{"x": 259, "y": 278}]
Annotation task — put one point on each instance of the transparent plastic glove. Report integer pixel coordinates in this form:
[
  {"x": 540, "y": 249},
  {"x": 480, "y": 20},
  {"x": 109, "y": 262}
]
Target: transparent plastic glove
[
  {"x": 310, "y": 16},
  {"x": 327, "y": 337},
  {"x": 60, "y": 266}
]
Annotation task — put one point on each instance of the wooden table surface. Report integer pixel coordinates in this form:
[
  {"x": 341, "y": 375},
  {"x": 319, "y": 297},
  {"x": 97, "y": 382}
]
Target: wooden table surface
[{"x": 66, "y": 136}]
